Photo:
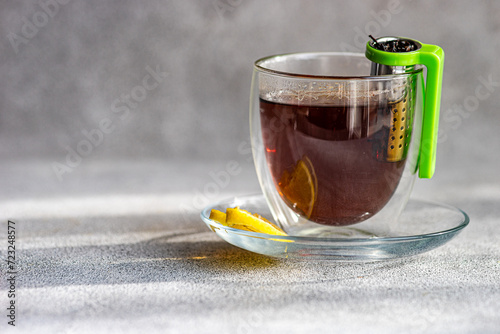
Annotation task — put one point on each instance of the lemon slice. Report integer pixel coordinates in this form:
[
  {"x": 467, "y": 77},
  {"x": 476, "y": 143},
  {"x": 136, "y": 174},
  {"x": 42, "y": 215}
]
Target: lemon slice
[
  {"x": 254, "y": 223},
  {"x": 244, "y": 220},
  {"x": 300, "y": 187},
  {"x": 218, "y": 216}
]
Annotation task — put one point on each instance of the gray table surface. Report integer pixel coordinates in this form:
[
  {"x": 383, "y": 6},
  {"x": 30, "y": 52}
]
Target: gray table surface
[{"x": 120, "y": 247}]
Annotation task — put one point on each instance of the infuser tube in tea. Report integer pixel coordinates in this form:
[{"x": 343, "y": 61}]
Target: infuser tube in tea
[{"x": 395, "y": 55}]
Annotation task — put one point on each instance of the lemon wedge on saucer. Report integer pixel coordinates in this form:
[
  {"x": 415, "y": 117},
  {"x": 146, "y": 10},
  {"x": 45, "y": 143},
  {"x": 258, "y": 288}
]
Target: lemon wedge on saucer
[{"x": 244, "y": 220}]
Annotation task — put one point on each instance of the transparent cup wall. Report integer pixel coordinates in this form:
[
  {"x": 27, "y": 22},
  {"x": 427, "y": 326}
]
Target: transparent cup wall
[{"x": 306, "y": 79}]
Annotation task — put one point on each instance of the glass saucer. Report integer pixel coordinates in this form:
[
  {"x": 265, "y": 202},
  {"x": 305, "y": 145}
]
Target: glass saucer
[{"x": 422, "y": 226}]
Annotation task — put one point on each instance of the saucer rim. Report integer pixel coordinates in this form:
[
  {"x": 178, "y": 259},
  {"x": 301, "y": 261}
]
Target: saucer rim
[{"x": 205, "y": 214}]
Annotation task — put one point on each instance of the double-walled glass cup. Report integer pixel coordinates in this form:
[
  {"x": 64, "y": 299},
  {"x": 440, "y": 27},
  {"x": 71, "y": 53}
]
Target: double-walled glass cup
[{"x": 336, "y": 150}]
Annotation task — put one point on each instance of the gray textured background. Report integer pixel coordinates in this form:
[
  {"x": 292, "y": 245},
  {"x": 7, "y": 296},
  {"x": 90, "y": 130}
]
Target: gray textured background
[
  {"x": 117, "y": 245},
  {"x": 66, "y": 77}
]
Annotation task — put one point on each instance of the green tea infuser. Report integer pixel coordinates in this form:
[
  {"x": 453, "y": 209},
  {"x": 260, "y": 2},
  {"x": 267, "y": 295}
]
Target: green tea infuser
[{"x": 396, "y": 55}]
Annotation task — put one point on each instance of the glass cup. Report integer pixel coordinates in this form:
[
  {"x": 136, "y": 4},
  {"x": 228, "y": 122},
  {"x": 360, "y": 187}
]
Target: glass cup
[{"x": 335, "y": 149}]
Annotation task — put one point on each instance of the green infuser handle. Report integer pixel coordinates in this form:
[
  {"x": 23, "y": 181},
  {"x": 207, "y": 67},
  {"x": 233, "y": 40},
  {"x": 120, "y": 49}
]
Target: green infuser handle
[{"x": 432, "y": 57}]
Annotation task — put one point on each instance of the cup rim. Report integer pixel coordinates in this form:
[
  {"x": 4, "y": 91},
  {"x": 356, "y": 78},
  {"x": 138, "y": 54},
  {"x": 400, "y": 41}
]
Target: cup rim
[{"x": 259, "y": 67}]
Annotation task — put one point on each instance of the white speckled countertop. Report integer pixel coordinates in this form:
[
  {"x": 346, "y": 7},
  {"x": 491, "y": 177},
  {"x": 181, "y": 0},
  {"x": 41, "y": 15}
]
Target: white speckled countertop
[{"x": 116, "y": 258}]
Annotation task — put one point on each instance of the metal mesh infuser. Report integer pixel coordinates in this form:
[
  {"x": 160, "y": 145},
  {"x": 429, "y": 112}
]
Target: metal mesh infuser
[
  {"x": 401, "y": 126},
  {"x": 402, "y": 107},
  {"x": 397, "y": 55}
]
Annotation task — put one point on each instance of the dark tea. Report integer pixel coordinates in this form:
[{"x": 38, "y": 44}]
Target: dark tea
[{"x": 332, "y": 163}]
